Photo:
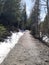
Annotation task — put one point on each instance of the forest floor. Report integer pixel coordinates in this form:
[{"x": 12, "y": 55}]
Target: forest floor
[{"x": 28, "y": 51}]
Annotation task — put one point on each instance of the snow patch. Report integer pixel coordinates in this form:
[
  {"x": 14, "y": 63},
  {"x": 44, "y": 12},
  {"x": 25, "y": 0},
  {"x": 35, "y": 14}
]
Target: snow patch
[
  {"x": 46, "y": 39},
  {"x": 8, "y": 44}
]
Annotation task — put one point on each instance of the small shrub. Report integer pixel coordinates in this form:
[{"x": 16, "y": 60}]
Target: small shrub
[{"x": 3, "y": 33}]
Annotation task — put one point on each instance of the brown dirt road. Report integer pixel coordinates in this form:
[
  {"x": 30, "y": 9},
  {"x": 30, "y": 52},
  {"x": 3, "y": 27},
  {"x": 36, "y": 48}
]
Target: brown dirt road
[{"x": 28, "y": 51}]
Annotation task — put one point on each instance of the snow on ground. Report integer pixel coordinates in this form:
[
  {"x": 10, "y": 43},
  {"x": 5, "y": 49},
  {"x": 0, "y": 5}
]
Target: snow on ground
[
  {"x": 46, "y": 39},
  {"x": 8, "y": 44}
]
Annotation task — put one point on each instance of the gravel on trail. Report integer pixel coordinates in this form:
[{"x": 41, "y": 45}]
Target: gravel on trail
[{"x": 28, "y": 51}]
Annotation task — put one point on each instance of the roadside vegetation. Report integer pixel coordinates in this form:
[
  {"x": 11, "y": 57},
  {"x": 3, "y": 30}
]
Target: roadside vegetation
[
  {"x": 3, "y": 33},
  {"x": 12, "y": 17}
]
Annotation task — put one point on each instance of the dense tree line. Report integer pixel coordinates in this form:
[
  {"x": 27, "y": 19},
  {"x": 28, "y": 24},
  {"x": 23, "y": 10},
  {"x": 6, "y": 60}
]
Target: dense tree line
[
  {"x": 45, "y": 24},
  {"x": 12, "y": 16},
  {"x": 35, "y": 24},
  {"x": 11, "y": 13}
]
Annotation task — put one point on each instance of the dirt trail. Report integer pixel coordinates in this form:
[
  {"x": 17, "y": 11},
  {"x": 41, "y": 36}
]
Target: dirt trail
[{"x": 28, "y": 51}]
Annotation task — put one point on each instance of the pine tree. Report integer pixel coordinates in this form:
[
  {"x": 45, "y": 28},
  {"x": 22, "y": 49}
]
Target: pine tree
[
  {"x": 46, "y": 20},
  {"x": 1, "y": 6},
  {"x": 11, "y": 12},
  {"x": 24, "y": 18},
  {"x": 47, "y": 16},
  {"x": 35, "y": 17}
]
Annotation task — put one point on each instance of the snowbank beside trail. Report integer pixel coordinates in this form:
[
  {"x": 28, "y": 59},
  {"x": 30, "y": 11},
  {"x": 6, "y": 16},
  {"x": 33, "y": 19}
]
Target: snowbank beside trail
[
  {"x": 45, "y": 39},
  {"x": 8, "y": 44}
]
